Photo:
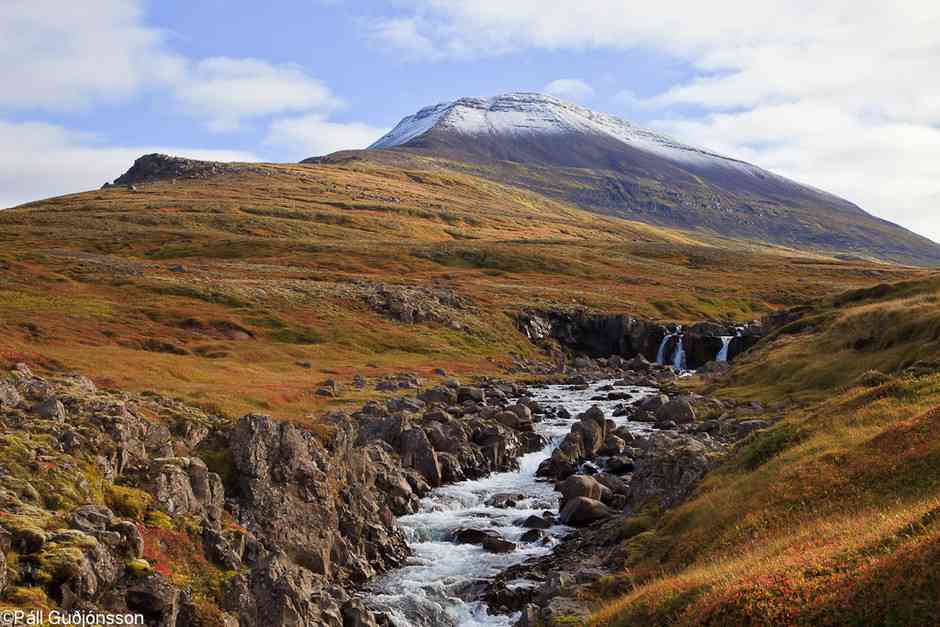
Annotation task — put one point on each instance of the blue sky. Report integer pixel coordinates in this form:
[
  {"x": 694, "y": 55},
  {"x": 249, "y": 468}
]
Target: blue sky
[{"x": 840, "y": 95}]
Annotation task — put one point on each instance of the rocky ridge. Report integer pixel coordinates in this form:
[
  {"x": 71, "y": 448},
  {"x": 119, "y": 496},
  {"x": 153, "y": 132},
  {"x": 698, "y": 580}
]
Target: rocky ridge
[{"x": 159, "y": 167}]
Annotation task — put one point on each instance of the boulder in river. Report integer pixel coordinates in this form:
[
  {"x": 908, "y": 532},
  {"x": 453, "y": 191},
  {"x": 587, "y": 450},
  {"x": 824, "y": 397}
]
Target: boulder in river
[
  {"x": 535, "y": 522},
  {"x": 532, "y": 535},
  {"x": 584, "y": 511},
  {"x": 498, "y": 545},
  {"x": 580, "y": 485},
  {"x": 489, "y": 539},
  {"x": 505, "y": 500}
]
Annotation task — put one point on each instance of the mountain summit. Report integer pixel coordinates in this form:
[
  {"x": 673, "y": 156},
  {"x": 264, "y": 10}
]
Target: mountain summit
[
  {"x": 605, "y": 164},
  {"x": 519, "y": 119}
]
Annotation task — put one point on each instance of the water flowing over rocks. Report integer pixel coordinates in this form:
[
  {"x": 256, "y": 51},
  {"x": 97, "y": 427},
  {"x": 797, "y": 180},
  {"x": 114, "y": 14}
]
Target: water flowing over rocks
[
  {"x": 299, "y": 519},
  {"x": 451, "y": 505},
  {"x": 658, "y": 467},
  {"x": 598, "y": 335}
]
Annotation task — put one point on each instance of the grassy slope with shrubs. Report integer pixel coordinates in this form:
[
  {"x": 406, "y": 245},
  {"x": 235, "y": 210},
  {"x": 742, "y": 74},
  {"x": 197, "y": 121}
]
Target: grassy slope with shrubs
[
  {"x": 831, "y": 516},
  {"x": 240, "y": 291}
]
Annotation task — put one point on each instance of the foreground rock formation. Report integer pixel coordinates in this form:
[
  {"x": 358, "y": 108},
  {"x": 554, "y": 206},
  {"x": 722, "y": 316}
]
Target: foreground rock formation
[{"x": 139, "y": 503}]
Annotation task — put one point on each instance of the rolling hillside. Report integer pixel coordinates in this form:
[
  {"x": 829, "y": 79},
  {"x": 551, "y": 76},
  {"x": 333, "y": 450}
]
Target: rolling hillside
[
  {"x": 607, "y": 165},
  {"x": 245, "y": 286}
]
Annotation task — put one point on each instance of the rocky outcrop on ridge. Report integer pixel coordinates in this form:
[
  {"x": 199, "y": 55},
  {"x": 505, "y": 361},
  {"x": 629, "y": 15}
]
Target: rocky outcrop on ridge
[{"x": 159, "y": 167}]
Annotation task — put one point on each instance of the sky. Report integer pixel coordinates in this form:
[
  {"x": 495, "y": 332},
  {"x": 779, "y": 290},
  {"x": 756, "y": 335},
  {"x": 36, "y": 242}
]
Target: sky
[{"x": 842, "y": 95}]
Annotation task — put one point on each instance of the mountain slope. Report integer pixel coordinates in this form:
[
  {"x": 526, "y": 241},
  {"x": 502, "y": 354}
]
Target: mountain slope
[
  {"x": 606, "y": 165},
  {"x": 214, "y": 281},
  {"x": 829, "y": 517}
]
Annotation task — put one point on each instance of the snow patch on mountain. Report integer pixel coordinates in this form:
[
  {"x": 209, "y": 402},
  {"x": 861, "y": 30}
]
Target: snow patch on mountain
[{"x": 527, "y": 113}]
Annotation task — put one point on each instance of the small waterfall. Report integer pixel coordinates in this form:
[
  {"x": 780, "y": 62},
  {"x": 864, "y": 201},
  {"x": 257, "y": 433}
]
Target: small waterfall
[
  {"x": 725, "y": 345},
  {"x": 678, "y": 359},
  {"x": 661, "y": 354}
]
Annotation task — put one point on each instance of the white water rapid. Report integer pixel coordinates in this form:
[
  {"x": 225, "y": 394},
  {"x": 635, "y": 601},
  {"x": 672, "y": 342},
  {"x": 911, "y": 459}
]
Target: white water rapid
[{"x": 440, "y": 585}]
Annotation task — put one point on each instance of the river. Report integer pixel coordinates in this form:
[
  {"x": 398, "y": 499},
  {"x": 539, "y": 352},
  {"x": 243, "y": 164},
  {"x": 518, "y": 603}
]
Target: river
[{"x": 440, "y": 584}]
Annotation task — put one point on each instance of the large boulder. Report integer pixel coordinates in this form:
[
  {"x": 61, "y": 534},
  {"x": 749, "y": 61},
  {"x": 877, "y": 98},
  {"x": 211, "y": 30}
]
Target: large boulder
[
  {"x": 581, "y": 485},
  {"x": 441, "y": 395},
  {"x": 535, "y": 522},
  {"x": 523, "y": 411},
  {"x": 470, "y": 393},
  {"x": 498, "y": 545},
  {"x": 666, "y": 474},
  {"x": 184, "y": 486},
  {"x": 678, "y": 410},
  {"x": 417, "y": 452},
  {"x": 513, "y": 420},
  {"x": 592, "y": 435},
  {"x": 584, "y": 511},
  {"x": 489, "y": 539}
]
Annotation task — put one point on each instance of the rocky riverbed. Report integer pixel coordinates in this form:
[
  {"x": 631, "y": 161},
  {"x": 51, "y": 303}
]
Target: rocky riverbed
[
  {"x": 466, "y": 533},
  {"x": 440, "y": 506},
  {"x": 513, "y": 547}
]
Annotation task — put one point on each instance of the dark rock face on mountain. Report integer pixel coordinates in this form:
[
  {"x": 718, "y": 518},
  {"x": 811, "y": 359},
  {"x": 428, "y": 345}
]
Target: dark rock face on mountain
[
  {"x": 607, "y": 165},
  {"x": 159, "y": 167}
]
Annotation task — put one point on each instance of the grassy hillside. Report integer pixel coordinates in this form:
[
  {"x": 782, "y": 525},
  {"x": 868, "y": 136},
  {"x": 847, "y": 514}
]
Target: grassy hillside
[
  {"x": 246, "y": 290},
  {"x": 831, "y": 516},
  {"x": 617, "y": 181}
]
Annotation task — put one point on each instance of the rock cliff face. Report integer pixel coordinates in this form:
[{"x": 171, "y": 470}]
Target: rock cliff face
[
  {"x": 138, "y": 503},
  {"x": 603, "y": 335}
]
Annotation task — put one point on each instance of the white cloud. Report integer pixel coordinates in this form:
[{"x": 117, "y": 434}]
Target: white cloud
[
  {"x": 58, "y": 57},
  {"x": 39, "y": 160},
  {"x": 403, "y": 34},
  {"x": 61, "y": 57},
  {"x": 225, "y": 91},
  {"x": 313, "y": 135},
  {"x": 570, "y": 88},
  {"x": 838, "y": 94}
]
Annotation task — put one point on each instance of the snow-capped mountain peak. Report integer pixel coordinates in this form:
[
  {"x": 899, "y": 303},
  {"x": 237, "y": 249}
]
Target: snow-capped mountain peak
[{"x": 529, "y": 113}]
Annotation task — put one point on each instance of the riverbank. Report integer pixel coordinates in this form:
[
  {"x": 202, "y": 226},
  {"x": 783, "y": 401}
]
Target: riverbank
[{"x": 252, "y": 518}]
